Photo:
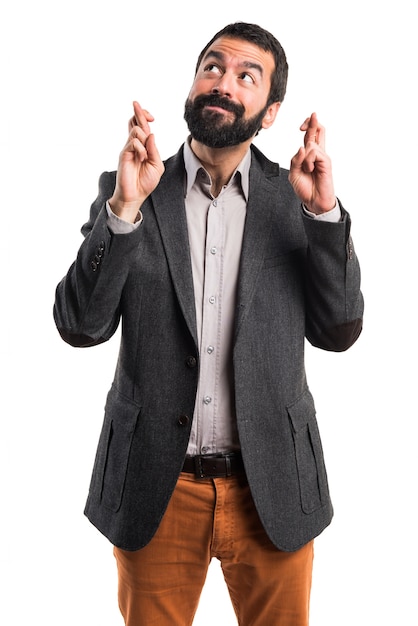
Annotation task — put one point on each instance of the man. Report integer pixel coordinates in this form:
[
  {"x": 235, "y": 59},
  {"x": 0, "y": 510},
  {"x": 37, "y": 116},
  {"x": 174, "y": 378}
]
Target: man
[{"x": 219, "y": 263}]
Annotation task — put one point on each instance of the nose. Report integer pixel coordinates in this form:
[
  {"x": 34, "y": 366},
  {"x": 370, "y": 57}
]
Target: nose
[{"x": 223, "y": 86}]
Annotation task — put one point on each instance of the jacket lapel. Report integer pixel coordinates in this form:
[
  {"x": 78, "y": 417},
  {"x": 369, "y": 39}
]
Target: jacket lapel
[
  {"x": 168, "y": 202},
  {"x": 260, "y": 208}
]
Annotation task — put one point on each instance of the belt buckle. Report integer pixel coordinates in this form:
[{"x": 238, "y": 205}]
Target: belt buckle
[{"x": 202, "y": 472}]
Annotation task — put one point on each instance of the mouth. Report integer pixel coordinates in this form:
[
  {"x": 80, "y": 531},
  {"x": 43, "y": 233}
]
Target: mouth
[
  {"x": 219, "y": 110},
  {"x": 217, "y": 104}
]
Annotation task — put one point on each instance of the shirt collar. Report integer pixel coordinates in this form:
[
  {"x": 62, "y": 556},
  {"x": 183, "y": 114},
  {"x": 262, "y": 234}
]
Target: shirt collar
[{"x": 193, "y": 165}]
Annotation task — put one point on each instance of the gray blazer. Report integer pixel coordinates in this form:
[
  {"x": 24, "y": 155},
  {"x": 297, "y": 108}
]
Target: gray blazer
[{"x": 298, "y": 278}]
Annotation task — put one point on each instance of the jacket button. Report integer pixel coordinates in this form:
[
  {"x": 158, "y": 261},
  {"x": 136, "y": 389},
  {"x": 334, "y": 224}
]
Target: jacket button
[
  {"x": 183, "y": 420},
  {"x": 191, "y": 361}
]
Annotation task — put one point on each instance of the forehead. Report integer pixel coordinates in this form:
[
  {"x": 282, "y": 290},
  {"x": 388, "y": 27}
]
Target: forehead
[{"x": 241, "y": 52}]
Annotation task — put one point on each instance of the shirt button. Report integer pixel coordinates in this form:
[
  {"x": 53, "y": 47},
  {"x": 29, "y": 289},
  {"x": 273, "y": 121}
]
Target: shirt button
[
  {"x": 210, "y": 349},
  {"x": 215, "y": 203},
  {"x": 212, "y": 299},
  {"x": 213, "y": 250},
  {"x": 204, "y": 450},
  {"x": 207, "y": 400}
]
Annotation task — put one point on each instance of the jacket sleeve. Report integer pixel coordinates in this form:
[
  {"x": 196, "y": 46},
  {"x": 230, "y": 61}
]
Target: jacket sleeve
[
  {"x": 334, "y": 302},
  {"x": 87, "y": 300}
]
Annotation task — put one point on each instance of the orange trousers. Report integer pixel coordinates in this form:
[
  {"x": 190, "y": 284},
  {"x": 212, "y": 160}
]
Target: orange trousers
[{"x": 160, "y": 585}]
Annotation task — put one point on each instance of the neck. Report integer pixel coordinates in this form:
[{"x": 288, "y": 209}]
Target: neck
[{"x": 220, "y": 163}]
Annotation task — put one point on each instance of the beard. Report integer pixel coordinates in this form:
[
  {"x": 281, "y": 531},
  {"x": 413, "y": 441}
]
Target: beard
[{"x": 210, "y": 127}]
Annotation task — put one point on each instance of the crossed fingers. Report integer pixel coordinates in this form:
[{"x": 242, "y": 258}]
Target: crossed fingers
[
  {"x": 315, "y": 132},
  {"x": 141, "y": 119},
  {"x": 139, "y": 130}
]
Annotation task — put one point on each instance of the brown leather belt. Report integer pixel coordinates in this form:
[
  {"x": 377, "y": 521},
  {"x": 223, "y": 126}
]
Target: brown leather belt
[{"x": 214, "y": 465}]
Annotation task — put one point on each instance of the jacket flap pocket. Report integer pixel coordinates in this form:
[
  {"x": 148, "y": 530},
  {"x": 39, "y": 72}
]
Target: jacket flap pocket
[
  {"x": 122, "y": 410},
  {"x": 301, "y": 411},
  {"x": 122, "y": 414}
]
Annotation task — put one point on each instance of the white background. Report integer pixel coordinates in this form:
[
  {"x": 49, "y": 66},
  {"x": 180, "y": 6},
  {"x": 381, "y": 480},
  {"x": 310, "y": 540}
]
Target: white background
[{"x": 70, "y": 72}]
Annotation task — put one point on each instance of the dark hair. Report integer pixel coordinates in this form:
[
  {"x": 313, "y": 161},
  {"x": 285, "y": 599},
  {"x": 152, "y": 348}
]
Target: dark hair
[{"x": 265, "y": 40}]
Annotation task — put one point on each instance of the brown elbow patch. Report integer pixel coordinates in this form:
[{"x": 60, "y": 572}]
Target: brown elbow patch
[
  {"x": 78, "y": 340},
  {"x": 341, "y": 337}
]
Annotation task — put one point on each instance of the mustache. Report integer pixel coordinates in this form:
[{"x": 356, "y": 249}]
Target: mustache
[{"x": 218, "y": 101}]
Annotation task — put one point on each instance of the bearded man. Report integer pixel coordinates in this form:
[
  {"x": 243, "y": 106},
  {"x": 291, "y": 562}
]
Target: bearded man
[{"x": 219, "y": 263}]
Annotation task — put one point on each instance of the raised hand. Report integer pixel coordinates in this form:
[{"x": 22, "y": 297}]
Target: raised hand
[
  {"x": 140, "y": 167},
  {"x": 310, "y": 170}
]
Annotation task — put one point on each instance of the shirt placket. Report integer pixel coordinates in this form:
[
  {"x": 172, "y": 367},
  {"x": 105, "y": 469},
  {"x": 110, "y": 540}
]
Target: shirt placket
[{"x": 211, "y": 328}]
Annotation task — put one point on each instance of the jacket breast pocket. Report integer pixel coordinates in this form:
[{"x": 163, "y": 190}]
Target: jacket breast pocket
[
  {"x": 109, "y": 475},
  {"x": 312, "y": 477},
  {"x": 292, "y": 258},
  {"x": 276, "y": 260}
]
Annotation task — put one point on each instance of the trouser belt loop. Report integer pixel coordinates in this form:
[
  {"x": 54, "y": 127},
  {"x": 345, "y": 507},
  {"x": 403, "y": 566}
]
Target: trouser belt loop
[
  {"x": 228, "y": 467},
  {"x": 198, "y": 466}
]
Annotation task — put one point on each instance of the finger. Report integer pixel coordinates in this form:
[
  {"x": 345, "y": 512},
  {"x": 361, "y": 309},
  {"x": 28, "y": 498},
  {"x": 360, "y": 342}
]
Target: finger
[
  {"x": 310, "y": 128},
  {"x": 142, "y": 117},
  {"x": 304, "y": 161},
  {"x": 135, "y": 147},
  {"x": 136, "y": 142},
  {"x": 308, "y": 163},
  {"x": 319, "y": 132},
  {"x": 314, "y": 131},
  {"x": 305, "y": 124},
  {"x": 310, "y": 123},
  {"x": 137, "y": 134},
  {"x": 141, "y": 114}
]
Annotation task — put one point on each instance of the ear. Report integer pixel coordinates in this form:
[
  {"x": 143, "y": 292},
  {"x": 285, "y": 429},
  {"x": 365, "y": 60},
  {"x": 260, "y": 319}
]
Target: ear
[{"x": 270, "y": 115}]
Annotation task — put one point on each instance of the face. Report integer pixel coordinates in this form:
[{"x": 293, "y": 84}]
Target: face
[{"x": 226, "y": 105}]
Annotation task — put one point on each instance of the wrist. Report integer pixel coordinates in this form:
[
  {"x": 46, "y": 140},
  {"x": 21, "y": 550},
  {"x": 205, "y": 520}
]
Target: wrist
[
  {"x": 126, "y": 211},
  {"x": 320, "y": 209}
]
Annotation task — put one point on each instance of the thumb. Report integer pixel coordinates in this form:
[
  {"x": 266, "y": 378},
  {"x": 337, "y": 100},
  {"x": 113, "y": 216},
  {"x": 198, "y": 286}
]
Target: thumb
[
  {"x": 296, "y": 162},
  {"x": 152, "y": 150}
]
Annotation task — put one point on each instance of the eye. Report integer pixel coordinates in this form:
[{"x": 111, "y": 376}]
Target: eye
[
  {"x": 212, "y": 67},
  {"x": 247, "y": 78}
]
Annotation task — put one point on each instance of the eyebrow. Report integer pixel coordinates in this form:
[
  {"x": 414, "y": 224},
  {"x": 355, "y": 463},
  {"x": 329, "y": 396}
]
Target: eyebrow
[{"x": 221, "y": 57}]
